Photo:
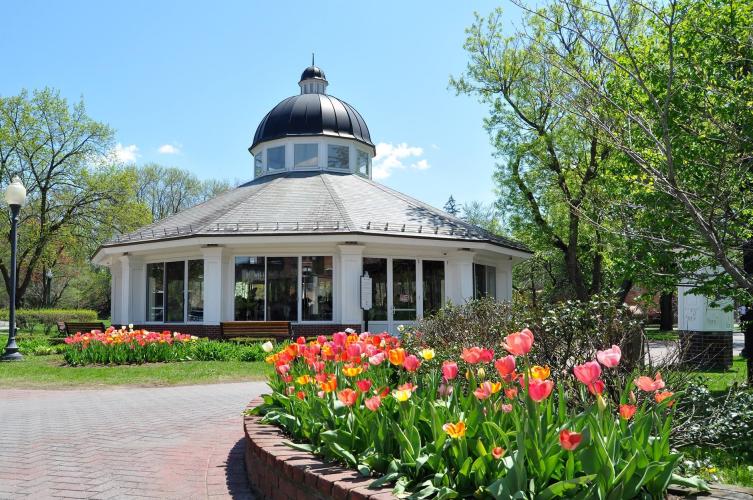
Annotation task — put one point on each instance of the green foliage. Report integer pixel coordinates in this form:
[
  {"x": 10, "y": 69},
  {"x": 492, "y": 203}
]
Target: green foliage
[{"x": 29, "y": 319}]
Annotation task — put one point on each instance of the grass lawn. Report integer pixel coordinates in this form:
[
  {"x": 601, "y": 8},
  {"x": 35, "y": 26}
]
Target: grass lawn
[
  {"x": 722, "y": 380},
  {"x": 718, "y": 466},
  {"x": 50, "y": 372},
  {"x": 653, "y": 333}
]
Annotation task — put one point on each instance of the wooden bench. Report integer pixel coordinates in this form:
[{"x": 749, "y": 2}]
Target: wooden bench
[
  {"x": 67, "y": 328},
  {"x": 277, "y": 330}
]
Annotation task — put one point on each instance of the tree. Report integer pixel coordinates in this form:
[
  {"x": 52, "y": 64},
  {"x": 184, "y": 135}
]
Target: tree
[
  {"x": 77, "y": 196},
  {"x": 451, "y": 207},
  {"x": 482, "y": 215},
  {"x": 676, "y": 106}
]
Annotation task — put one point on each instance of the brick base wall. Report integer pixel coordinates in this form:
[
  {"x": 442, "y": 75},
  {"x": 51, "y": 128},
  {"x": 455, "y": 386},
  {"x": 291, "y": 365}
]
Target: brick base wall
[
  {"x": 213, "y": 331},
  {"x": 706, "y": 349},
  {"x": 276, "y": 471},
  {"x": 309, "y": 330}
]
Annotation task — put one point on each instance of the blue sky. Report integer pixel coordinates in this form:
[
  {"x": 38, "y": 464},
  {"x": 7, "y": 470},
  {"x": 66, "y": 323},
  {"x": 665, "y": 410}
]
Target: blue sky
[{"x": 194, "y": 79}]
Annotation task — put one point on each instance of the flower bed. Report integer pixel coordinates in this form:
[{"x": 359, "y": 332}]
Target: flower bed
[
  {"x": 126, "y": 346},
  {"x": 481, "y": 425}
]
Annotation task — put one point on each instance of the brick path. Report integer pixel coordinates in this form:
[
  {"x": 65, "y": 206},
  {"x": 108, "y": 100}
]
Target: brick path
[{"x": 171, "y": 442}]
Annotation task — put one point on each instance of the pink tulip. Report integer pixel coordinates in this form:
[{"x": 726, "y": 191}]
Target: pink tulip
[
  {"x": 321, "y": 339},
  {"x": 506, "y": 407},
  {"x": 588, "y": 372},
  {"x": 539, "y": 389},
  {"x": 449, "y": 370},
  {"x": 445, "y": 390},
  {"x": 597, "y": 387},
  {"x": 646, "y": 384},
  {"x": 339, "y": 338},
  {"x": 411, "y": 363},
  {"x": 505, "y": 366},
  {"x": 519, "y": 343},
  {"x": 609, "y": 357},
  {"x": 475, "y": 355},
  {"x": 283, "y": 369},
  {"x": 373, "y": 403},
  {"x": 354, "y": 351},
  {"x": 377, "y": 359}
]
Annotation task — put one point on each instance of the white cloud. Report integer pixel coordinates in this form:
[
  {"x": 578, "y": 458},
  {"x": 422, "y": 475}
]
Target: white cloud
[
  {"x": 169, "y": 149},
  {"x": 126, "y": 154},
  {"x": 390, "y": 157}
]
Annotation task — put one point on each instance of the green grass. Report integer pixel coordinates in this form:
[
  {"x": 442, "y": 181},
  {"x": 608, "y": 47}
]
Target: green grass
[
  {"x": 721, "y": 380},
  {"x": 719, "y": 466},
  {"x": 43, "y": 372},
  {"x": 653, "y": 333}
]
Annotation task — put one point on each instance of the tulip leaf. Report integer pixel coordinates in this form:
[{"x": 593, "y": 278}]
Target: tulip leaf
[
  {"x": 690, "y": 482},
  {"x": 566, "y": 487},
  {"x": 388, "y": 478}
]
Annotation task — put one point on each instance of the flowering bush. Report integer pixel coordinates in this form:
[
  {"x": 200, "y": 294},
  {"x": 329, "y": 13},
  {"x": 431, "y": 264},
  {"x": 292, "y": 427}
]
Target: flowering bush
[
  {"x": 482, "y": 425},
  {"x": 126, "y": 346}
]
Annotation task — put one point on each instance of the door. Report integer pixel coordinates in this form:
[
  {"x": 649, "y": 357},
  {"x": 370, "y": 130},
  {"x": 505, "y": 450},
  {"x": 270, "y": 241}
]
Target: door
[
  {"x": 404, "y": 305},
  {"x": 395, "y": 299}
]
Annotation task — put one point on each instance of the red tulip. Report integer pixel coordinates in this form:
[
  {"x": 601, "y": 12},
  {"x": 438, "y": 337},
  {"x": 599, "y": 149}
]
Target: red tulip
[
  {"x": 449, "y": 370},
  {"x": 588, "y": 372},
  {"x": 475, "y": 355},
  {"x": 364, "y": 385},
  {"x": 627, "y": 411},
  {"x": 519, "y": 343},
  {"x": 609, "y": 357},
  {"x": 539, "y": 389},
  {"x": 597, "y": 387},
  {"x": 570, "y": 440},
  {"x": 300, "y": 341},
  {"x": 498, "y": 452},
  {"x": 505, "y": 366}
]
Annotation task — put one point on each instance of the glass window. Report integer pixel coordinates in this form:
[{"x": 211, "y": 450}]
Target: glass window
[
  {"x": 362, "y": 163},
  {"x": 155, "y": 292},
  {"x": 433, "y": 277},
  {"x": 195, "y": 290},
  {"x": 338, "y": 157},
  {"x": 175, "y": 277},
  {"x": 259, "y": 164},
  {"x": 276, "y": 158},
  {"x": 249, "y": 288},
  {"x": 316, "y": 277},
  {"x": 377, "y": 269},
  {"x": 306, "y": 155},
  {"x": 484, "y": 281},
  {"x": 403, "y": 289},
  {"x": 282, "y": 288}
]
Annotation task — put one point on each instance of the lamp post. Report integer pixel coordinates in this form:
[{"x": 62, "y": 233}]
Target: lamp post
[
  {"x": 48, "y": 288},
  {"x": 15, "y": 196}
]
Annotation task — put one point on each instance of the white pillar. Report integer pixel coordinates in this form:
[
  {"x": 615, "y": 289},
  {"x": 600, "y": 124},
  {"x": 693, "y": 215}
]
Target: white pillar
[
  {"x": 349, "y": 280},
  {"x": 504, "y": 281},
  {"x": 115, "y": 289},
  {"x": 460, "y": 276},
  {"x": 138, "y": 290},
  {"x": 212, "y": 285},
  {"x": 125, "y": 291}
]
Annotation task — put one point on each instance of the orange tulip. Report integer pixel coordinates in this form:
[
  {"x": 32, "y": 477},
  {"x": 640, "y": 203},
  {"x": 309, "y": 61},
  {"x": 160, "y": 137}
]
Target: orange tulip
[
  {"x": 347, "y": 397},
  {"x": 455, "y": 431},
  {"x": 397, "y": 356},
  {"x": 570, "y": 440},
  {"x": 661, "y": 396},
  {"x": 627, "y": 411},
  {"x": 498, "y": 452},
  {"x": 646, "y": 384}
]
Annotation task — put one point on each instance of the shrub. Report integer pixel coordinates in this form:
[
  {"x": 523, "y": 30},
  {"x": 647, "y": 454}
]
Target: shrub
[
  {"x": 28, "y": 319},
  {"x": 505, "y": 433}
]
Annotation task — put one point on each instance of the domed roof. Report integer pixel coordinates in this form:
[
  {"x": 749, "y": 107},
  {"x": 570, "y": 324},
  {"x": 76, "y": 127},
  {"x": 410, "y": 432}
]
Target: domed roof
[
  {"x": 313, "y": 72},
  {"x": 313, "y": 115}
]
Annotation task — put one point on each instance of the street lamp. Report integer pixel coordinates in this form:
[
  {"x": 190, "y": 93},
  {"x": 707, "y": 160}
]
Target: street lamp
[
  {"x": 15, "y": 196},
  {"x": 48, "y": 288}
]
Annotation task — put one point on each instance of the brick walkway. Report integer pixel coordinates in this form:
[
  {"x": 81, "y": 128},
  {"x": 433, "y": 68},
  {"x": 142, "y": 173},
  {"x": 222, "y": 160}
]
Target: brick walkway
[{"x": 171, "y": 442}]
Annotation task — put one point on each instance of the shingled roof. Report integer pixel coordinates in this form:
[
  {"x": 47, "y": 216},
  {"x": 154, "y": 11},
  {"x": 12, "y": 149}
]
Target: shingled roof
[{"x": 313, "y": 203}]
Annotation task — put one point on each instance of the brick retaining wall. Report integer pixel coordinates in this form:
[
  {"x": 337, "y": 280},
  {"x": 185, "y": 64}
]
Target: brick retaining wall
[
  {"x": 276, "y": 471},
  {"x": 706, "y": 349}
]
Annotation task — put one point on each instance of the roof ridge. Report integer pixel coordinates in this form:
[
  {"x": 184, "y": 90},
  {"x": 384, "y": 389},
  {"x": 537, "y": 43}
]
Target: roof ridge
[{"x": 336, "y": 200}]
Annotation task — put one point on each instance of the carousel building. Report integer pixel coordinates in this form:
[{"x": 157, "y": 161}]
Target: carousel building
[{"x": 293, "y": 244}]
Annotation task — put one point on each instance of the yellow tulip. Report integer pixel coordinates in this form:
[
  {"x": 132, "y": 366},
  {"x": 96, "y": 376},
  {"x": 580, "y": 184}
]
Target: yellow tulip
[
  {"x": 539, "y": 372},
  {"x": 427, "y": 354},
  {"x": 455, "y": 431},
  {"x": 402, "y": 395}
]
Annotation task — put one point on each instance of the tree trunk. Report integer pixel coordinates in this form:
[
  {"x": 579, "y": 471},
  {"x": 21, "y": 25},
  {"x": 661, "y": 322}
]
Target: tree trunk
[{"x": 667, "y": 320}]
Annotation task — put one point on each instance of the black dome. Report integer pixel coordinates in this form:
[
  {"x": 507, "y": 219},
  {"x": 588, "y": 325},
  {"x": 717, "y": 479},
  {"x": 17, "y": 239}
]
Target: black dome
[
  {"x": 313, "y": 72},
  {"x": 312, "y": 115}
]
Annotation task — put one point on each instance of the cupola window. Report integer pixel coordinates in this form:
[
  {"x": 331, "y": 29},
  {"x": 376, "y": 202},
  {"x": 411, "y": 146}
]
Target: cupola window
[
  {"x": 338, "y": 157},
  {"x": 306, "y": 156},
  {"x": 362, "y": 163},
  {"x": 258, "y": 164},
  {"x": 276, "y": 158}
]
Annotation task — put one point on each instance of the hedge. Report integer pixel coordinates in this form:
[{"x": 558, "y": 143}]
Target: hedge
[{"x": 28, "y": 319}]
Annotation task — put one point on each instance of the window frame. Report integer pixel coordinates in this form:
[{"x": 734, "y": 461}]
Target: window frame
[
  {"x": 284, "y": 166},
  {"x": 347, "y": 168},
  {"x": 164, "y": 262},
  {"x": 306, "y": 167}
]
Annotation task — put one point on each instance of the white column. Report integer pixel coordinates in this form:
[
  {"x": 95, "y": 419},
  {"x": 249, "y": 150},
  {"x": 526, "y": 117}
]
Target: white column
[
  {"x": 349, "y": 280},
  {"x": 504, "y": 281},
  {"x": 138, "y": 290},
  {"x": 125, "y": 290},
  {"x": 115, "y": 289},
  {"x": 212, "y": 285},
  {"x": 460, "y": 276}
]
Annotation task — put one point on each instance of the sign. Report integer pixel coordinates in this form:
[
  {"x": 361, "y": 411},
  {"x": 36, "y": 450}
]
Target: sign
[{"x": 366, "y": 298}]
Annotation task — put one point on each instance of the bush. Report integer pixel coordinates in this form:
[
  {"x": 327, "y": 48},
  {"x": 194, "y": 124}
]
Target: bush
[
  {"x": 505, "y": 432},
  {"x": 28, "y": 319},
  {"x": 38, "y": 346},
  {"x": 213, "y": 350}
]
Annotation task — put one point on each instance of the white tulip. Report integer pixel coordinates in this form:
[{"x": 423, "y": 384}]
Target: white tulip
[{"x": 267, "y": 346}]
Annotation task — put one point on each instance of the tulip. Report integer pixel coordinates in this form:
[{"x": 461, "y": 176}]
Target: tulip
[
  {"x": 300, "y": 395},
  {"x": 328, "y": 385},
  {"x": 373, "y": 403},
  {"x": 352, "y": 370},
  {"x": 397, "y": 356},
  {"x": 321, "y": 339},
  {"x": 505, "y": 366},
  {"x": 481, "y": 373},
  {"x": 376, "y": 359},
  {"x": 498, "y": 452},
  {"x": 407, "y": 387},
  {"x": 354, "y": 352},
  {"x": 647, "y": 385},
  {"x": 339, "y": 338},
  {"x": 303, "y": 380},
  {"x": 588, "y": 372},
  {"x": 402, "y": 395},
  {"x": 597, "y": 387},
  {"x": 601, "y": 402},
  {"x": 364, "y": 385},
  {"x": 445, "y": 390},
  {"x": 609, "y": 357},
  {"x": 283, "y": 369},
  {"x": 539, "y": 390},
  {"x": 570, "y": 440},
  {"x": 347, "y": 397},
  {"x": 291, "y": 390},
  {"x": 475, "y": 355},
  {"x": 455, "y": 431},
  {"x": 300, "y": 341},
  {"x": 519, "y": 343},
  {"x": 661, "y": 396},
  {"x": 449, "y": 370},
  {"x": 411, "y": 363},
  {"x": 267, "y": 346},
  {"x": 627, "y": 411},
  {"x": 511, "y": 392},
  {"x": 486, "y": 389},
  {"x": 539, "y": 372},
  {"x": 427, "y": 354}
]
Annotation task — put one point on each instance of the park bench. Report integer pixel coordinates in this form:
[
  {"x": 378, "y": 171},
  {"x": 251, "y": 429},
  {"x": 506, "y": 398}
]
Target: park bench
[
  {"x": 275, "y": 330},
  {"x": 67, "y": 328}
]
